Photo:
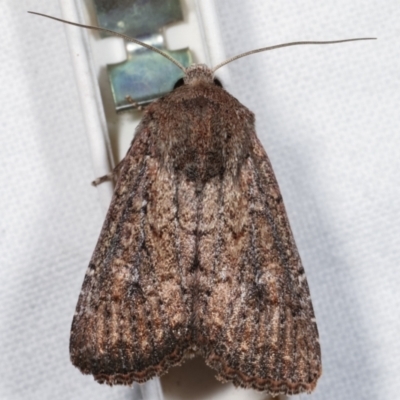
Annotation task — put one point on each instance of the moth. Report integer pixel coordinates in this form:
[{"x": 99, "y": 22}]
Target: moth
[{"x": 196, "y": 255}]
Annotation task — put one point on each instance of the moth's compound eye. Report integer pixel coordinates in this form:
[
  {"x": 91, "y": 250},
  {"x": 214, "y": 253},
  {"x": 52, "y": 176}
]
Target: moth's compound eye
[
  {"x": 217, "y": 82},
  {"x": 178, "y": 83}
]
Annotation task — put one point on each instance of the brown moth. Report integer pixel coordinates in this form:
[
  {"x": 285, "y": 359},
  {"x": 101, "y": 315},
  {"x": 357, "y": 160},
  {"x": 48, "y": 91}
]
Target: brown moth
[{"x": 196, "y": 255}]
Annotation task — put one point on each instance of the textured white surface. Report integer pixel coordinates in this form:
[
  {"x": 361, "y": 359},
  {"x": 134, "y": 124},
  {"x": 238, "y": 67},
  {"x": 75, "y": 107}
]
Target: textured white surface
[{"x": 329, "y": 119}]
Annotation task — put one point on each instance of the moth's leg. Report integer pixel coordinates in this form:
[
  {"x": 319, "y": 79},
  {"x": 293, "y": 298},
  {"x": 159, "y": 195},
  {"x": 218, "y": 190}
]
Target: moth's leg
[
  {"x": 134, "y": 103},
  {"x": 109, "y": 177}
]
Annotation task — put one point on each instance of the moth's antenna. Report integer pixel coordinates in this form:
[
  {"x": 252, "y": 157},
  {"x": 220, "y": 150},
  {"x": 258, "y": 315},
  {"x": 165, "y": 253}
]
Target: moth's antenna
[
  {"x": 278, "y": 46},
  {"x": 128, "y": 38}
]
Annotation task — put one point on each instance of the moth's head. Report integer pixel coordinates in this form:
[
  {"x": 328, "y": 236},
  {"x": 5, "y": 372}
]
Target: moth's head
[{"x": 196, "y": 74}]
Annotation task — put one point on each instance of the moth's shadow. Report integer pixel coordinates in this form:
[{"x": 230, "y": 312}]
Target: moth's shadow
[{"x": 194, "y": 380}]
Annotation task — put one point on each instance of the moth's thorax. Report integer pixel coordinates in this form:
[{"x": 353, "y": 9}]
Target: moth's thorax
[{"x": 197, "y": 73}]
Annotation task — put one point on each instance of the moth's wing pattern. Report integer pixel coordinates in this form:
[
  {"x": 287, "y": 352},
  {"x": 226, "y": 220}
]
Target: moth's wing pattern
[
  {"x": 255, "y": 318},
  {"x": 131, "y": 320}
]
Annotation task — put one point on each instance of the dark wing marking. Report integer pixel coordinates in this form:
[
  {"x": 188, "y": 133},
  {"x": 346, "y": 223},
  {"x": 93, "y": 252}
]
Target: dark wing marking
[
  {"x": 256, "y": 323},
  {"x": 132, "y": 316}
]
